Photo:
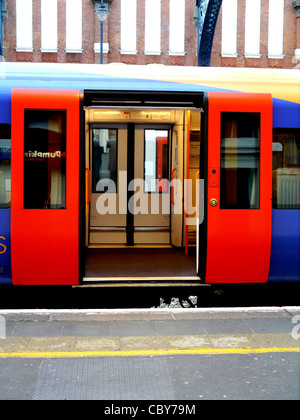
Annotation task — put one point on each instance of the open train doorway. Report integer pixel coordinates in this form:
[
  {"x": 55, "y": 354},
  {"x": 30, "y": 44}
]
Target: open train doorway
[{"x": 142, "y": 165}]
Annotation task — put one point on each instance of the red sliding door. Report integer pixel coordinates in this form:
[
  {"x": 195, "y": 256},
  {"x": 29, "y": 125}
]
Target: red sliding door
[
  {"x": 45, "y": 186},
  {"x": 239, "y": 190}
]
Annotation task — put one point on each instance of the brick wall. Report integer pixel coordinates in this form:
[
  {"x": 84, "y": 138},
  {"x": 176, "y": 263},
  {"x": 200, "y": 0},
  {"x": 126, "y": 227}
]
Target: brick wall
[
  {"x": 113, "y": 36},
  {"x": 91, "y": 35},
  {"x": 88, "y": 35},
  {"x": 289, "y": 40}
]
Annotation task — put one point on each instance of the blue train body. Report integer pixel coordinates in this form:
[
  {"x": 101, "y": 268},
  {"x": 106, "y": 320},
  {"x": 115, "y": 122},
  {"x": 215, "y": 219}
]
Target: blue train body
[{"x": 5, "y": 256}]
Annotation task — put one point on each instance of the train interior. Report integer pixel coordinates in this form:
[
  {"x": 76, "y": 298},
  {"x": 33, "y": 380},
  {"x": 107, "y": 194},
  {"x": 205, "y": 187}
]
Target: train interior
[{"x": 140, "y": 210}]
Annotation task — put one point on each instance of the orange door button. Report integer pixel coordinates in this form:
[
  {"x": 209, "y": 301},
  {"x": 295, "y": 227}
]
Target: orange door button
[{"x": 213, "y": 202}]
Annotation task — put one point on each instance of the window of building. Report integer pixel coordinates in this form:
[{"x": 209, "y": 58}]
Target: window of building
[
  {"x": 128, "y": 26},
  {"x": 177, "y": 27},
  {"x": 45, "y": 159},
  {"x": 252, "y": 28},
  {"x": 24, "y": 25},
  {"x": 240, "y": 160},
  {"x": 49, "y": 25},
  {"x": 276, "y": 21},
  {"x": 73, "y": 26},
  {"x": 286, "y": 168},
  {"x": 5, "y": 159},
  {"x": 229, "y": 28},
  {"x": 152, "y": 26}
]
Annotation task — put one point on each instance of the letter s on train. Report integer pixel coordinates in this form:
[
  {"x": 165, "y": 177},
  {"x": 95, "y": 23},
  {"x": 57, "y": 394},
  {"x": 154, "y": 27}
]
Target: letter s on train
[{"x": 3, "y": 248}]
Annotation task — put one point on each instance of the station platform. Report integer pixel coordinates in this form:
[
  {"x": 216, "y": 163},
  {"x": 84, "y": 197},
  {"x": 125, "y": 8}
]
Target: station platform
[{"x": 150, "y": 354}]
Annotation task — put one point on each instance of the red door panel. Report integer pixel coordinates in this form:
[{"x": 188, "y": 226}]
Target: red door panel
[
  {"x": 239, "y": 188},
  {"x": 45, "y": 186}
]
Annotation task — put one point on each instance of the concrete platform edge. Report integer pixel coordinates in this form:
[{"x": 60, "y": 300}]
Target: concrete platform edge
[{"x": 153, "y": 314}]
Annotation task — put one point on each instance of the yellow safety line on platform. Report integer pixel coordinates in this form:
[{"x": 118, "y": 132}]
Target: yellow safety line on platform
[{"x": 135, "y": 353}]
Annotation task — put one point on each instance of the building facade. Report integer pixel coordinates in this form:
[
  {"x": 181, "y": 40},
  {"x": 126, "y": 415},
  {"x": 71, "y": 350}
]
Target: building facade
[{"x": 249, "y": 33}]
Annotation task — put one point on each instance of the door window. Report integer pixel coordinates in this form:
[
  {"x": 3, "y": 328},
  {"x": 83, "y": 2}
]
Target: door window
[
  {"x": 104, "y": 159},
  {"x": 156, "y": 160},
  {"x": 240, "y": 160},
  {"x": 45, "y": 159}
]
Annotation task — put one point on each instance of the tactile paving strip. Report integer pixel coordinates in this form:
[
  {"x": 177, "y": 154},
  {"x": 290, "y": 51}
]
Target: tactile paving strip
[{"x": 103, "y": 379}]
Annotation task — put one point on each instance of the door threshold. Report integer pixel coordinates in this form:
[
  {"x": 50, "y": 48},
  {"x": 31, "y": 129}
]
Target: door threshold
[
  {"x": 128, "y": 246},
  {"x": 140, "y": 284},
  {"x": 141, "y": 279}
]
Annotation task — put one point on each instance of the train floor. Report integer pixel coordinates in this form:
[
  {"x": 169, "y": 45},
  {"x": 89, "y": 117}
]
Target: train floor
[
  {"x": 147, "y": 361},
  {"x": 140, "y": 262}
]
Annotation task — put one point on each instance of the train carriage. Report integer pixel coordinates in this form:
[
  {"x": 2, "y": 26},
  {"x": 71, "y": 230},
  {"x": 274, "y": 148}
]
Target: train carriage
[{"x": 118, "y": 174}]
